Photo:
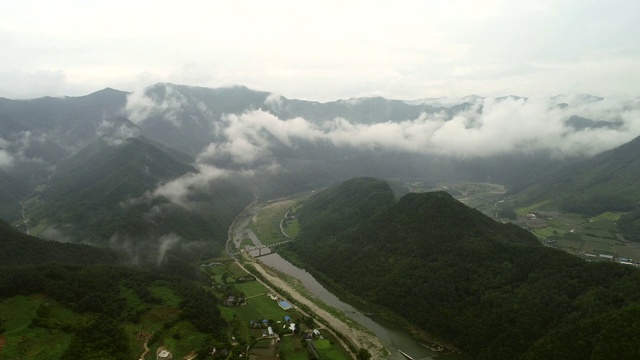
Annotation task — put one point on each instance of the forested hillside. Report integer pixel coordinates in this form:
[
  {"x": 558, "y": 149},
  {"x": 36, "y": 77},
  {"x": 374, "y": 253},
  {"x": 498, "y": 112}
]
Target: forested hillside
[
  {"x": 490, "y": 289},
  {"x": 104, "y": 195},
  {"x": 17, "y": 248},
  {"x": 66, "y": 301}
]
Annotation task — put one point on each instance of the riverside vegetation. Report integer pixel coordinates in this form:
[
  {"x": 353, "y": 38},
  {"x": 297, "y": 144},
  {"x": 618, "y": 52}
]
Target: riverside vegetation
[{"x": 488, "y": 288}]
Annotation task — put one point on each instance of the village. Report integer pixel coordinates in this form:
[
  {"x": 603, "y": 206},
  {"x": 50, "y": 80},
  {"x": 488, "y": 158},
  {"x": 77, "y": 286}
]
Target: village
[{"x": 263, "y": 325}]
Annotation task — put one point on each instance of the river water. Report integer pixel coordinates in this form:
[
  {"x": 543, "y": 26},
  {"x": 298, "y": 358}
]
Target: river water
[{"x": 393, "y": 336}]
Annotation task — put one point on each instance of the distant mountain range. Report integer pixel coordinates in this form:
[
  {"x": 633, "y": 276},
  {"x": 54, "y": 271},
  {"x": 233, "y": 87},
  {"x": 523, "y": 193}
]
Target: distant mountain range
[
  {"x": 112, "y": 167},
  {"x": 157, "y": 177}
]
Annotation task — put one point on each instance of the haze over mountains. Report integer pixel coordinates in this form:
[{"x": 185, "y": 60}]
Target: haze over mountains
[
  {"x": 195, "y": 144},
  {"x": 156, "y": 178}
]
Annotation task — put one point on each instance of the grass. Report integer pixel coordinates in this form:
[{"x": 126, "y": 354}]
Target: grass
[
  {"x": 291, "y": 227},
  {"x": 327, "y": 350},
  {"x": 267, "y": 308},
  {"x": 236, "y": 271},
  {"x": 266, "y": 225},
  {"x": 180, "y": 339},
  {"x": 165, "y": 293},
  {"x": 611, "y": 216},
  {"x": 532, "y": 208},
  {"x": 251, "y": 288},
  {"x": 292, "y": 348},
  {"x": 28, "y": 342}
]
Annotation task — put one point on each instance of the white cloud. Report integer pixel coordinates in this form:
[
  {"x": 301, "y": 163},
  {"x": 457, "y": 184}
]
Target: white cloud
[
  {"x": 504, "y": 126},
  {"x": 116, "y": 134},
  {"x": 6, "y": 159}
]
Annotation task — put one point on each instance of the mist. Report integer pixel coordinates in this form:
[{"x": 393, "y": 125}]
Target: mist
[{"x": 484, "y": 127}]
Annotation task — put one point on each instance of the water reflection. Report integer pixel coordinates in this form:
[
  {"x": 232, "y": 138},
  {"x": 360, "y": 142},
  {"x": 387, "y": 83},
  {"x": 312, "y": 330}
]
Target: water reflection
[{"x": 393, "y": 336}]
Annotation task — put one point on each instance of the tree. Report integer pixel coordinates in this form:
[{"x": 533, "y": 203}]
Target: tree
[{"x": 363, "y": 354}]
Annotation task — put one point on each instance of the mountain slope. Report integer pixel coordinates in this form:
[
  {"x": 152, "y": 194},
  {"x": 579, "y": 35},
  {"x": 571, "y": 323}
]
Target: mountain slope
[
  {"x": 103, "y": 195},
  {"x": 606, "y": 182},
  {"x": 490, "y": 289},
  {"x": 17, "y": 248}
]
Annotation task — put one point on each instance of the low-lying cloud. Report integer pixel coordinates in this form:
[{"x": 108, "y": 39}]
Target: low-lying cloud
[
  {"x": 488, "y": 128},
  {"x": 245, "y": 143},
  {"x": 116, "y": 133}
]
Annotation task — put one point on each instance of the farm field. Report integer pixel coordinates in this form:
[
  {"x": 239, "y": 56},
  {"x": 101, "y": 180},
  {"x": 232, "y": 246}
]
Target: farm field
[
  {"x": 266, "y": 224},
  {"x": 573, "y": 233}
]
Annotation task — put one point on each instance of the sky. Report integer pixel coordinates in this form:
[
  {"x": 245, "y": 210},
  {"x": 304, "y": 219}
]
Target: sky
[{"x": 323, "y": 50}]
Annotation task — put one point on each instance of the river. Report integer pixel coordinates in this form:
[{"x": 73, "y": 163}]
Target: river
[{"x": 393, "y": 336}]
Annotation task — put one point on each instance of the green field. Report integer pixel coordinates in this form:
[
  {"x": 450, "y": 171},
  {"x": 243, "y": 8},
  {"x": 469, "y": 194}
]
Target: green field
[
  {"x": 24, "y": 341},
  {"x": 181, "y": 339},
  {"x": 582, "y": 235},
  {"x": 293, "y": 349},
  {"x": 267, "y": 308},
  {"x": 291, "y": 227},
  {"x": 266, "y": 225},
  {"x": 251, "y": 288}
]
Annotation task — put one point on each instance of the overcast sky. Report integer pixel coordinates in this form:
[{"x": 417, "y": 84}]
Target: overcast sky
[{"x": 323, "y": 50}]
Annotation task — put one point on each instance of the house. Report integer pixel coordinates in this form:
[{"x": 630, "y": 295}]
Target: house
[
  {"x": 230, "y": 301},
  {"x": 163, "y": 354}
]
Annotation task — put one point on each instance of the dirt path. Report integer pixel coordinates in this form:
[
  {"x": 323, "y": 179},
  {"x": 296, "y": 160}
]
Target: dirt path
[
  {"x": 359, "y": 338},
  {"x": 147, "y": 337}
]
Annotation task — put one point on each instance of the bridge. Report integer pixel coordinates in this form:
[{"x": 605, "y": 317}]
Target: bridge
[{"x": 259, "y": 248}]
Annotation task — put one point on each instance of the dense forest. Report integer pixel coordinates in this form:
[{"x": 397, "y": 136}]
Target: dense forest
[
  {"x": 103, "y": 196},
  {"x": 75, "y": 296},
  {"x": 490, "y": 289}
]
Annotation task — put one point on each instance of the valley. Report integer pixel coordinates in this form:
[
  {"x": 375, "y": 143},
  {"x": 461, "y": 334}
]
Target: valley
[
  {"x": 382, "y": 337},
  {"x": 594, "y": 238},
  {"x": 182, "y": 218}
]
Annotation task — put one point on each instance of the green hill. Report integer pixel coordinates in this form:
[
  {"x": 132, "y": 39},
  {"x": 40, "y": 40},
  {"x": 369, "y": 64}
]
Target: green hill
[
  {"x": 606, "y": 182},
  {"x": 17, "y": 248},
  {"x": 65, "y": 312},
  {"x": 73, "y": 301},
  {"x": 489, "y": 288},
  {"x": 100, "y": 196}
]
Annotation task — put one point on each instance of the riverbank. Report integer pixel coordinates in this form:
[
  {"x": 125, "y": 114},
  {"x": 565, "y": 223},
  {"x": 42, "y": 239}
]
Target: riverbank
[
  {"x": 359, "y": 338},
  {"x": 428, "y": 340}
]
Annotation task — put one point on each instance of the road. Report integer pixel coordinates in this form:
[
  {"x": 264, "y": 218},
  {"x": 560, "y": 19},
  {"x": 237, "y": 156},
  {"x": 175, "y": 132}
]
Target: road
[{"x": 359, "y": 338}]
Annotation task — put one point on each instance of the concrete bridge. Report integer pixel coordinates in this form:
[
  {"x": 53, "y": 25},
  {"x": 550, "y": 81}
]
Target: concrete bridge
[{"x": 259, "y": 248}]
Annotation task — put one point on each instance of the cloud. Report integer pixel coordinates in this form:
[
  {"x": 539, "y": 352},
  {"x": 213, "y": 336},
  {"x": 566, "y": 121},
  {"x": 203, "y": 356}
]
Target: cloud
[
  {"x": 21, "y": 147},
  {"x": 56, "y": 233},
  {"x": 178, "y": 190},
  {"x": 116, "y": 134},
  {"x": 6, "y": 160},
  {"x": 274, "y": 102},
  {"x": 165, "y": 102},
  {"x": 489, "y": 127},
  {"x": 166, "y": 242},
  {"x": 249, "y": 144}
]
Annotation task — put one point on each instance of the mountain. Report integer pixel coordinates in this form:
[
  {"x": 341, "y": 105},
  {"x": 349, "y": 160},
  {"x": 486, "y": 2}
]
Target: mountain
[
  {"x": 17, "y": 248},
  {"x": 70, "y": 122},
  {"x": 606, "y": 182},
  {"x": 36, "y": 135},
  {"x": 103, "y": 195},
  {"x": 213, "y": 125},
  {"x": 488, "y": 288}
]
